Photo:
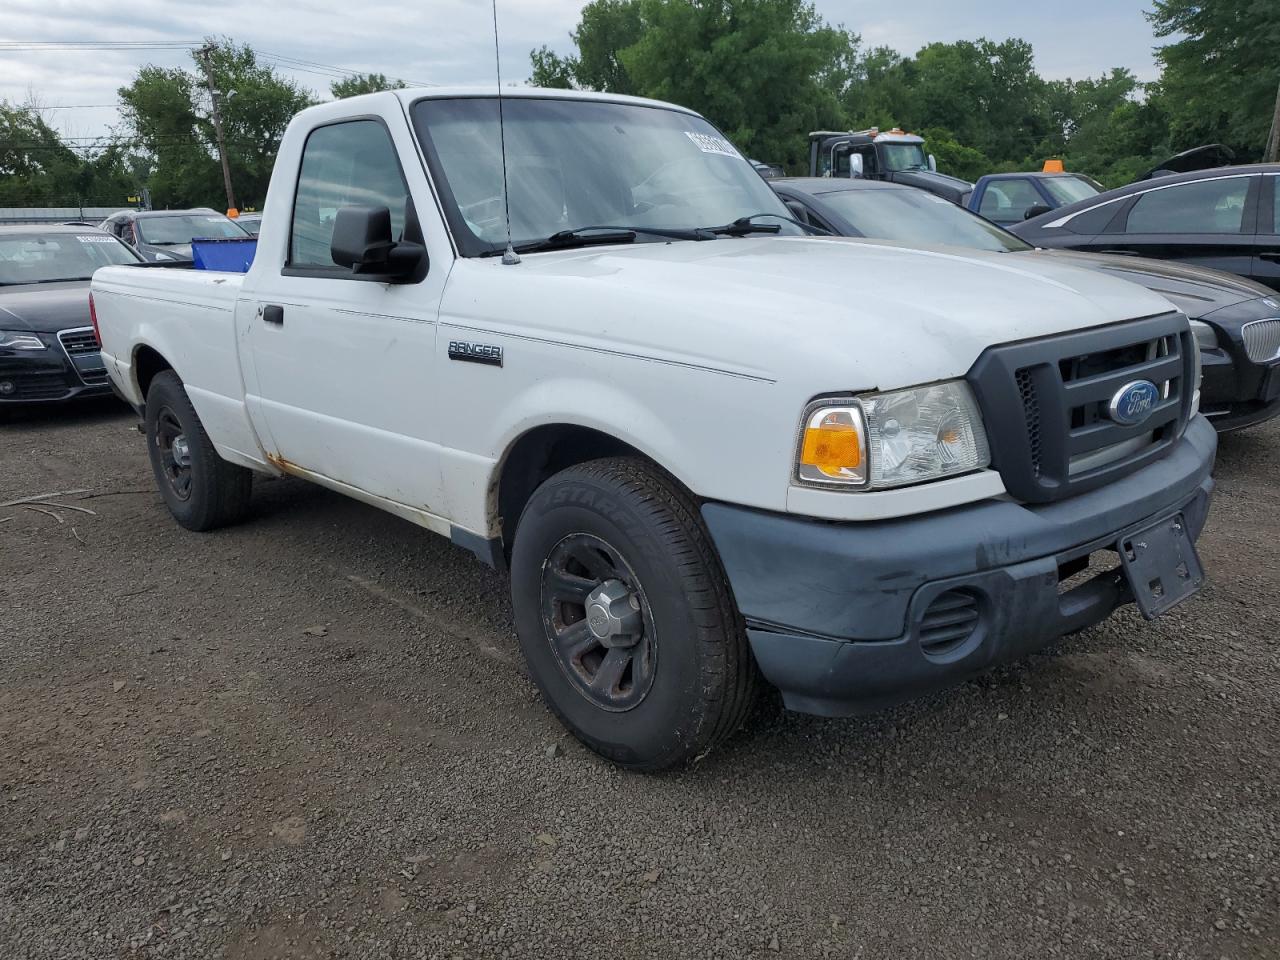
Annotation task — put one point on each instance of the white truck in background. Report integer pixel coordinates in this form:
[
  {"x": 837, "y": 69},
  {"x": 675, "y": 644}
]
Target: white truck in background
[{"x": 707, "y": 447}]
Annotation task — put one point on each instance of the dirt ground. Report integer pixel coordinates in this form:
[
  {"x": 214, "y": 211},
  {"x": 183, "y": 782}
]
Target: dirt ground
[{"x": 311, "y": 736}]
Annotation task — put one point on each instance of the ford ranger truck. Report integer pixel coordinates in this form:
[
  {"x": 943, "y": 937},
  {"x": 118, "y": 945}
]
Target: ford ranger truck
[{"x": 710, "y": 450}]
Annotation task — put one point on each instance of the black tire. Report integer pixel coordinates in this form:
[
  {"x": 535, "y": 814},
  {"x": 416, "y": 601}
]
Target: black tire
[
  {"x": 204, "y": 491},
  {"x": 691, "y": 679}
]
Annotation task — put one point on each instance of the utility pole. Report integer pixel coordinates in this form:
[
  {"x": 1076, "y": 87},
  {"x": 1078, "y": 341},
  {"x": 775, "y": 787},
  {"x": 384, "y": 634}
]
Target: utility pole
[
  {"x": 204, "y": 53},
  {"x": 1272, "y": 153}
]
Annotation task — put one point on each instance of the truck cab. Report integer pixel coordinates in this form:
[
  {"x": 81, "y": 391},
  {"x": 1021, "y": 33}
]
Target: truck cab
[{"x": 891, "y": 155}]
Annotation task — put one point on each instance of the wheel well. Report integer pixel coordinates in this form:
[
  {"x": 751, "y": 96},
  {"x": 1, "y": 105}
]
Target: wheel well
[
  {"x": 146, "y": 364},
  {"x": 540, "y": 454}
]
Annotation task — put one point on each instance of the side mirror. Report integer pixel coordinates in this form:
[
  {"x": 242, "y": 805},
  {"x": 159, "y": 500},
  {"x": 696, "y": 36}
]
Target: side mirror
[
  {"x": 933, "y": 163},
  {"x": 362, "y": 241},
  {"x": 855, "y": 165},
  {"x": 1035, "y": 210}
]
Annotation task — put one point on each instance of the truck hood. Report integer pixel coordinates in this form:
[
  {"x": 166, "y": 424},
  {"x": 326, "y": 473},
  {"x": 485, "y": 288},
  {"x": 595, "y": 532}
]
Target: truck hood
[
  {"x": 953, "y": 188},
  {"x": 842, "y": 313},
  {"x": 45, "y": 307},
  {"x": 1196, "y": 291}
]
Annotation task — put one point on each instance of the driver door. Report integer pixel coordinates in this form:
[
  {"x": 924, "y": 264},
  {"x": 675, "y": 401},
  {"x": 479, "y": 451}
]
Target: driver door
[{"x": 339, "y": 370}]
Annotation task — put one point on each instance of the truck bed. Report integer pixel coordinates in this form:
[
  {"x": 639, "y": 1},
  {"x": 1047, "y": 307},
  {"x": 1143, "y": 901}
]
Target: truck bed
[{"x": 188, "y": 317}]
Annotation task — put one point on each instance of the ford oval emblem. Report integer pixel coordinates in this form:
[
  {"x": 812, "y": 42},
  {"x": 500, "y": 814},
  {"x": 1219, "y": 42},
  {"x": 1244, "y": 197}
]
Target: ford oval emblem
[{"x": 1133, "y": 402}]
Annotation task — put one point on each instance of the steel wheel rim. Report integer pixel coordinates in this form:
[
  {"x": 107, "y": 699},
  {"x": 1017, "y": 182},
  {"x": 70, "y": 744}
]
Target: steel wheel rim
[
  {"x": 614, "y": 672},
  {"x": 174, "y": 451}
]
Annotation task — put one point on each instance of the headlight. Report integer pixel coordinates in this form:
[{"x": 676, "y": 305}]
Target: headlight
[
  {"x": 891, "y": 439},
  {"x": 1205, "y": 336},
  {"x": 18, "y": 340}
]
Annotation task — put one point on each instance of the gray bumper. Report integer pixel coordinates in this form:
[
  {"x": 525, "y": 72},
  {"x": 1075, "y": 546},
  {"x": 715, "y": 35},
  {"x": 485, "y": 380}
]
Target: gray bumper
[{"x": 835, "y": 611}]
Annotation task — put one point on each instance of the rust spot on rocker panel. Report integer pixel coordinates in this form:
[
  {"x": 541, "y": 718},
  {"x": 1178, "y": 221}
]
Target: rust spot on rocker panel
[{"x": 280, "y": 463}]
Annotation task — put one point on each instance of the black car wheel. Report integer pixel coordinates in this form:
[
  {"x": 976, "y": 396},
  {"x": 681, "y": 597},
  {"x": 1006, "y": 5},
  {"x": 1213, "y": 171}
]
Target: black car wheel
[
  {"x": 202, "y": 490},
  {"x": 625, "y": 617}
]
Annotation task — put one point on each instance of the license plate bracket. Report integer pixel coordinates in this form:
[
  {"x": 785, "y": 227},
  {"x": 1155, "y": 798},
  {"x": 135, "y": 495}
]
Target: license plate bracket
[{"x": 1161, "y": 565}]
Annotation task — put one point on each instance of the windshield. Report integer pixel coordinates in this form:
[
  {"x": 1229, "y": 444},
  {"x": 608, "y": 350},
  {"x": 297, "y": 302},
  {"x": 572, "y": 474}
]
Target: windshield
[
  {"x": 44, "y": 258},
  {"x": 908, "y": 215},
  {"x": 163, "y": 231},
  {"x": 903, "y": 156},
  {"x": 582, "y": 163},
  {"x": 1069, "y": 189}
]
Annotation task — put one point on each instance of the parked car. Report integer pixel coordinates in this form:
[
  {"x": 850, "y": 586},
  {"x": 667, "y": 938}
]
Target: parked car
[
  {"x": 592, "y": 392},
  {"x": 1236, "y": 321},
  {"x": 161, "y": 235},
  {"x": 1008, "y": 198},
  {"x": 1227, "y": 218},
  {"x": 48, "y": 348},
  {"x": 874, "y": 154},
  {"x": 251, "y": 223}
]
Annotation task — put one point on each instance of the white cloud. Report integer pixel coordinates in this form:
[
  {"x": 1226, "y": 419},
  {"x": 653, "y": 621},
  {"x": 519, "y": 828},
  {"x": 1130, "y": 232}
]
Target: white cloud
[{"x": 451, "y": 41}]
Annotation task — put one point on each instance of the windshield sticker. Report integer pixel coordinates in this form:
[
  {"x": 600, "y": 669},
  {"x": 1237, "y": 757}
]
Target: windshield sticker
[
  {"x": 709, "y": 144},
  {"x": 102, "y": 239}
]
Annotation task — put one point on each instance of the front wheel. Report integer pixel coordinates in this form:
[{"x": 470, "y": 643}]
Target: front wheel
[
  {"x": 201, "y": 490},
  {"x": 625, "y": 616}
]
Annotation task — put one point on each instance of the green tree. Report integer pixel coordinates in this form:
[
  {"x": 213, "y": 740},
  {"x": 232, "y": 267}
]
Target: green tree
[
  {"x": 607, "y": 27},
  {"x": 1220, "y": 76},
  {"x": 37, "y": 168},
  {"x": 166, "y": 114},
  {"x": 358, "y": 83},
  {"x": 551, "y": 70}
]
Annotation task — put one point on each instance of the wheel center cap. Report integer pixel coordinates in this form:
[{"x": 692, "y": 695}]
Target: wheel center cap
[
  {"x": 613, "y": 615},
  {"x": 181, "y": 451}
]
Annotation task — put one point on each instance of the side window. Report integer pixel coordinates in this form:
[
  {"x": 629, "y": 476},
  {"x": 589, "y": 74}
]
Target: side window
[
  {"x": 344, "y": 164},
  {"x": 1275, "y": 206},
  {"x": 1008, "y": 199},
  {"x": 1205, "y": 206}
]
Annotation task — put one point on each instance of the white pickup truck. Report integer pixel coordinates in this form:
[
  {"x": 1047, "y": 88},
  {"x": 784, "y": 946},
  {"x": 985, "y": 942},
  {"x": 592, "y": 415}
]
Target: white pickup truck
[{"x": 707, "y": 447}]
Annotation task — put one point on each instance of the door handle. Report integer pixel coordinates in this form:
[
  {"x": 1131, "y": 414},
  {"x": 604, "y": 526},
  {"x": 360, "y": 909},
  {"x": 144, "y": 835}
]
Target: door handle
[
  {"x": 1272, "y": 256},
  {"x": 273, "y": 313},
  {"x": 1122, "y": 253}
]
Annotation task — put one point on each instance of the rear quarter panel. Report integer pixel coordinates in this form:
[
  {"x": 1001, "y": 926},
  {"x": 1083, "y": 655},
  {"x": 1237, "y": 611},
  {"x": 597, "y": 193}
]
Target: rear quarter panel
[{"x": 188, "y": 318}]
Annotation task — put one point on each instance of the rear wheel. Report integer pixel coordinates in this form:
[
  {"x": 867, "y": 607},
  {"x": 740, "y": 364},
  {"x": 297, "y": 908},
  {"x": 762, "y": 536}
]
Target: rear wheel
[
  {"x": 202, "y": 490},
  {"x": 625, "y": 617}
]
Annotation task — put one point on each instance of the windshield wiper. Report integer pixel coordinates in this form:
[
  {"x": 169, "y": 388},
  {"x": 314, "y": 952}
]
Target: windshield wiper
[
  {"x": 601, "y": 234},
  {"x": 745, "y": 225}
]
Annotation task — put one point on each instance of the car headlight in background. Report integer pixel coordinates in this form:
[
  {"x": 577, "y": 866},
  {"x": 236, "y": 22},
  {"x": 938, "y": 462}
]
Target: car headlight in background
[
  {"x": 892, "y": 439},
  {"x": 20, "y": 340},
  {"x": 1206, "y": 338},
  {"x": 1203, "y": 338}
]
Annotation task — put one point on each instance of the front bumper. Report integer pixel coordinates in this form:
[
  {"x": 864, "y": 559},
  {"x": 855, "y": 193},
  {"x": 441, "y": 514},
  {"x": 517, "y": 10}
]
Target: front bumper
[
  {"x": 841, "y": 616},
  {"x": 1237, "y": 392},
  {"x": 49, "y": 376}
]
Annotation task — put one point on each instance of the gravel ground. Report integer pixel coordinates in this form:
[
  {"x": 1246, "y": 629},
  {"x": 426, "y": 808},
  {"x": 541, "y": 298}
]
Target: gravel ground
[{"x": 311, "y": 736}]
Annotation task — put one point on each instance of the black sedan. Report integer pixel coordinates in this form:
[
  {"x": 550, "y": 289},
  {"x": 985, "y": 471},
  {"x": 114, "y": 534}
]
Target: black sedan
[
  {"x": 1236, "y": 321},
  {"x": 161, "y": 235},
  {"x": 48, "y": 347},
  {"x": 1227, "y": 218}
]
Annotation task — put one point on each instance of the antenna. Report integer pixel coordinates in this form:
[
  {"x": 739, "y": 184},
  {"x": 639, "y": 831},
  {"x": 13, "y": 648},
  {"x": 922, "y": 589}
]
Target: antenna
[{"x": 509, "y": 256}]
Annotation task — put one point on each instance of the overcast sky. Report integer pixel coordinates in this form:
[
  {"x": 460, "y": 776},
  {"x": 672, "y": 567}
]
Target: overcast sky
[{"x": 451, "y": 41}]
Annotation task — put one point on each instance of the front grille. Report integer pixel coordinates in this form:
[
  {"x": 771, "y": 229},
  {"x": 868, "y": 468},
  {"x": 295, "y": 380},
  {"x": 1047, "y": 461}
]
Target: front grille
[
  {"x": 1031, "y": 411},
  {"x": 82, "y": 349},
  {"x": 1262, "y": 340},
  {"x": 79, "y": 342},
  {"x": 948, "y": 622},
  {"x": 1045, "y": 403}
]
